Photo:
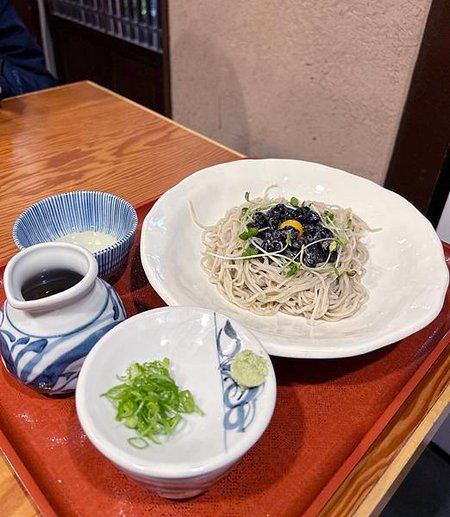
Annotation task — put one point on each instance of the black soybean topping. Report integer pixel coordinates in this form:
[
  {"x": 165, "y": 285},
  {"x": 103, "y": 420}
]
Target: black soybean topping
[{"x": 271, "y": 238}]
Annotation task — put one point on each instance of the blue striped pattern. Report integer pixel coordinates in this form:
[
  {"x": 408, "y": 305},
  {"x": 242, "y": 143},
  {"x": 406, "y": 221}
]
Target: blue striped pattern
[
  {"x": 51, "y": 364},
  {"x": 80, "y": 211}
]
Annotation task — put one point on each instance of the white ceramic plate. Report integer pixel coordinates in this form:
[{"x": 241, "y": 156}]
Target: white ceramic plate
[
  {"x": 406, "y": 275},
  {"x": 199, "y": 344}
]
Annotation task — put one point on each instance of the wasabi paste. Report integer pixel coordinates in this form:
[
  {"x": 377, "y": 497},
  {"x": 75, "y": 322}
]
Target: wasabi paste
[{"x": 249, "y": 369}]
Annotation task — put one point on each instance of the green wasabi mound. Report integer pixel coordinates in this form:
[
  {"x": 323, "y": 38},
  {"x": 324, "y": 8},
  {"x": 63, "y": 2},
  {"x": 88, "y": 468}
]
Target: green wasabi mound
[{"x": 249, "y": 369}]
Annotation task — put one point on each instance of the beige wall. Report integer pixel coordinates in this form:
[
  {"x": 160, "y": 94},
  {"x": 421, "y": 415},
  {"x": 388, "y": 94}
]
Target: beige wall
[{"x": 319, "y": 80}]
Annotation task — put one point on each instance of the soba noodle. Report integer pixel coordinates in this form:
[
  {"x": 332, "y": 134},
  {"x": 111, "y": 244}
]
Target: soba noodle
[{"x": 261, "y": 283}]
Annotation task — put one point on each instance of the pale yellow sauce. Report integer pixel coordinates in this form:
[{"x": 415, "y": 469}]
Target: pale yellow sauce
[{"x": 90, "y": 240}]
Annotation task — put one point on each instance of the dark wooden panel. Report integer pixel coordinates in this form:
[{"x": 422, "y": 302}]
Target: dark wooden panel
[
  {"x": 164, "y": 14},
  {"x": 137, "y": 81},
  {"x": 416, "y": 169},
  {"x": 135, "y": 72},
  {"x": 79, "y": 56},
  {"x": 441, "y": 192}
]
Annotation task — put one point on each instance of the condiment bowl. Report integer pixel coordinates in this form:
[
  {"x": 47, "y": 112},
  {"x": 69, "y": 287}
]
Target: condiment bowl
[
  {"x": 56, "y": 309},
  {"x": 70, "y": 213},
  {"x": 200, "y": 345}
]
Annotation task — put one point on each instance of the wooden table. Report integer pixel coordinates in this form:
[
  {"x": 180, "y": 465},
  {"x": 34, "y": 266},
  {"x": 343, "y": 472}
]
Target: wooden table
[{"x": 82, "y": 136}]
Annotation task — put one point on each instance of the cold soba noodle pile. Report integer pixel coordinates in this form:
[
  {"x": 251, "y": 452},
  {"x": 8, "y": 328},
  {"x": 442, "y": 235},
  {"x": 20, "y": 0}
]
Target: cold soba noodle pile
[{"x": 274, "y": 255}]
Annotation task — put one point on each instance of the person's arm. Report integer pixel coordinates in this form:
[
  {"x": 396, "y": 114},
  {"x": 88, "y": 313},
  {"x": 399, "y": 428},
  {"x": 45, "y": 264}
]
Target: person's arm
[{"x": 22, "y": 64}]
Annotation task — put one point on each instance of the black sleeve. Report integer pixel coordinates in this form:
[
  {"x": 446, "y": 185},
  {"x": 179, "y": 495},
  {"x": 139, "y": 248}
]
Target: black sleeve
[{"x": 22, "y": 65}]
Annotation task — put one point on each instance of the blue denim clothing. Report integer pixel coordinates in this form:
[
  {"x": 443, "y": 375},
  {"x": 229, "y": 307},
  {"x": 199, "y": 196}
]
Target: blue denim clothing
[{"x": 22, "y": 65}]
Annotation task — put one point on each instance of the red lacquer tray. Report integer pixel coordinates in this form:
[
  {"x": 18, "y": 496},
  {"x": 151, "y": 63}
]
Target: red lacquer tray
[{"x": 328, "y": 413}]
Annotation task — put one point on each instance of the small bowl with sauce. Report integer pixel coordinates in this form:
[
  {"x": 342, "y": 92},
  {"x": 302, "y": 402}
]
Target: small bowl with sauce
[
  {"x": 100, "y": 222},
  {"x": 56, "y": 309}
]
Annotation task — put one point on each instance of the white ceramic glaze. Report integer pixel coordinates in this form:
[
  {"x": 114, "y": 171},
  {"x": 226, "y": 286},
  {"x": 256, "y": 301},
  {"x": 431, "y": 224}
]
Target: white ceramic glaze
[
  {"x": 406, "y": 275},
  {"x": 199, "y": 344},
  {"x": 44, "y": 342}
]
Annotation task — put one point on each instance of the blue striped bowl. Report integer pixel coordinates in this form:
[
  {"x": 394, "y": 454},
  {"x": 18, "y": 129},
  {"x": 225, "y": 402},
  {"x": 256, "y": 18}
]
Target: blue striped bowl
[{"x": 79, "y": 211}]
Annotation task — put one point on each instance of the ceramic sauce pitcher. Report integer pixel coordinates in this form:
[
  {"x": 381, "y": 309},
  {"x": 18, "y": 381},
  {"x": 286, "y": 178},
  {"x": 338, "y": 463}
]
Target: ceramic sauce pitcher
[{"x": 56, "y": 309}]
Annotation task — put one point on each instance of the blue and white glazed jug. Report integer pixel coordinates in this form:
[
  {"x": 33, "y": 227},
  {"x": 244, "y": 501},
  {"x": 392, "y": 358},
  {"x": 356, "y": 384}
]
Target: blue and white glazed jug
[{"x": 44, "y": 341}]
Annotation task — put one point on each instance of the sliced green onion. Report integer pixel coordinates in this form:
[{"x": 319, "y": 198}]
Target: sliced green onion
[
  {"x": 342, "y": 241},
  {"x": 138, "y": 442},
  {"x": 294, "y": 201},
  {"x": 247, "y": 196},
  {"x": 149, "y": 401},
  {"x": 249, "y": 252},
  {"x": 292, "y": 269},
  {"x": 352, "y": 272},
  {"x": 328, "y": 216},
  {"x": 288, "y": 240},
  {"x": 250, "y": 232}
]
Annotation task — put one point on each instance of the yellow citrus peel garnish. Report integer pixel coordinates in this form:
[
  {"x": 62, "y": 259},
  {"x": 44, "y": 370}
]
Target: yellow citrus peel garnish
[{"x": 293, "y": 224}]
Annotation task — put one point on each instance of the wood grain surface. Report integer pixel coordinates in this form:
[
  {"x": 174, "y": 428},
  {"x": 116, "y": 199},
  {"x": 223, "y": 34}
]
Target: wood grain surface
[
  {"x": 14, "y": 501},
  {"x": 81, "y": 136}
]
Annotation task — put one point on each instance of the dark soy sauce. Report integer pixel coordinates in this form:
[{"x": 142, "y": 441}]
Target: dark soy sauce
[{"x": 48, "y": 283}]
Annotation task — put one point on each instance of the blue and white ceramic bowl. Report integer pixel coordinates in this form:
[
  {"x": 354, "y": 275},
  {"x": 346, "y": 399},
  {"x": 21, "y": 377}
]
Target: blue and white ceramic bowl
[
  {"x": 200, "y": 345},
  {"x": 81, "y": 211}
]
